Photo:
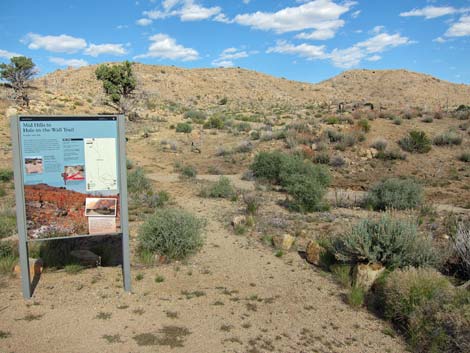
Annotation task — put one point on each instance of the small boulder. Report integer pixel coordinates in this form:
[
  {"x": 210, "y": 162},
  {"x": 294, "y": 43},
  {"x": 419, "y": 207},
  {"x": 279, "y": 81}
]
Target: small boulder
[
  {"x": 238, "y": 221},
  {"x": 283, "y": 242},
  {"x": 313, "y": 252},
  {"x": 365, "y": 275},
  {"x": 35, "y": 267}
]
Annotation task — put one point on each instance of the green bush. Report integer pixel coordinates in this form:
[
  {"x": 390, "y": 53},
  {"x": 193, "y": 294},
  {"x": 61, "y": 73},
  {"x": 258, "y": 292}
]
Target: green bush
[
  {"x": 464, "y": 157},
  {"x": 214, "y": 122},
  {"x": 243, "y": 127},
  {"x": 434, "y": 315},
  {"x": 356, "y": 296},
  {"x": 171, "y": 232},
  {"x": 184, "y": 127},
  {"x": 188, "y": 171},
  {"x": 196, "y": 116},
  {"x": 448, "y": 138},
  {"x": 303, "y": 180},
  {"x": 307, "y": 193},
  {"x": 399, "y": 194},
  {"x": 392, "y": 242},
  {"x": 8, "y": 249},
  {"x": 6, "y": 175},
  {"x": 7, "y": 224},
  {"x": 223, "y": 188},
  {"x": 7, "y": 264},
  {"x": 391, "y": 155},
  {"x": 415, "y": 142},
  {"x": 364, "y": 125},
  {"x": 141, "y": 190},
  {"x": 266, "y": 165},
  {"x": 322, "y": 158}
]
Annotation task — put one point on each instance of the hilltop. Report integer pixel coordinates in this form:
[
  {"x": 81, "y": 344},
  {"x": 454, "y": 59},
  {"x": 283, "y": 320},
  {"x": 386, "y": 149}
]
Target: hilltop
[{"x": 391, "y": 89}]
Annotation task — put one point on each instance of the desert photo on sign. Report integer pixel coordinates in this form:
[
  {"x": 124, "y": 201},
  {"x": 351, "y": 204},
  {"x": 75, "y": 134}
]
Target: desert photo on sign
[{"x": 33, "y": 165}]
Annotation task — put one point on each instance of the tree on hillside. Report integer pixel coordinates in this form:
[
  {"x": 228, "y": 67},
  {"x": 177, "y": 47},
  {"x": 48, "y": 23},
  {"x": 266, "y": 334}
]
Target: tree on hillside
[
  {"x": 119, "y": 84},
  {"x": 18, "y": 73}
]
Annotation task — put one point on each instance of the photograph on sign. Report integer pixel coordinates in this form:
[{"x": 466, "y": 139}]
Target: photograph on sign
[
  {"x": 70, "y": 175},
  {"x": 33, "y": 165},
  {"x": 100, "y": 207}
]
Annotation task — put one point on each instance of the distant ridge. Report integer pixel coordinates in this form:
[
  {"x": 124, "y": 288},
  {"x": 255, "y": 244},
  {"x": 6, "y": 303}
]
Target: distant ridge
[{"x": 392, "y": 89}]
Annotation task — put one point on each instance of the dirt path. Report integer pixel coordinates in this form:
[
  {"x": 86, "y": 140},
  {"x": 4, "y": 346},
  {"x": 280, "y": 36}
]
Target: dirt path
[{"x": 234, "y": 296}]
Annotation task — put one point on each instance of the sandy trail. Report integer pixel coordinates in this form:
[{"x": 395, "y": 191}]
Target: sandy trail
[{"x": 233, "y": 296}]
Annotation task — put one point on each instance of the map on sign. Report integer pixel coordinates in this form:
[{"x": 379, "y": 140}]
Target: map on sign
[{"x": 100, "y": 164}]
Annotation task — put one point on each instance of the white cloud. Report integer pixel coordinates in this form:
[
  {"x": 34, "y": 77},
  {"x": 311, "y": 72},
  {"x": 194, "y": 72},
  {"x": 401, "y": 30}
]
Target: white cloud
[
  {"x": 110, "y": 49},
  {"x": 356, "y": 14},
  {"x": 59, "y": 44},
  {"x": 430, "y": 12},
  {"x": 308, "y": 51},
  {"x": 382, "y": 42},
  {"x": 165, "y": 47},
  {"x": 186, "y": 10},
  {"x": 68, "y": 62},
  {"x": 348, "y": 57},
  {"x": 227, "y": 57},
  {"x": 378, "y": 29},
  {"x": 320, "y": 15},
  {"x": 8, "y": 54},
  {"x": 144, "y": 22},
  {"x": 374, "y": 58},
  {"x": 324, "y": 30},
  {"x": 460, "y": 28}
]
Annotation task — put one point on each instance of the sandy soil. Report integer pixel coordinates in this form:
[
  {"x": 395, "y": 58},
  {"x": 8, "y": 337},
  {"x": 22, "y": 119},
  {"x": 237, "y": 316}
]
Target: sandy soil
[{"x": 234, "y": 296}]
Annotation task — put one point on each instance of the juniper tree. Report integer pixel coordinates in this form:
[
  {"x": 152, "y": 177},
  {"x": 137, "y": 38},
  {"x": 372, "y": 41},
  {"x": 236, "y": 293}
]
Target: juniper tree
[
  {"x": 119, "y": 84},
  {"x": 18, "y": 73}
]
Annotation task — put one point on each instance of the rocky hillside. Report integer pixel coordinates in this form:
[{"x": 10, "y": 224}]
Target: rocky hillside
[{"x": 396, "y": 89}]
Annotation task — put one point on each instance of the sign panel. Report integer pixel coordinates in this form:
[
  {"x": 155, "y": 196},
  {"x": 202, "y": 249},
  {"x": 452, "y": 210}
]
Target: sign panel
[{"x": 70, "y": 175}]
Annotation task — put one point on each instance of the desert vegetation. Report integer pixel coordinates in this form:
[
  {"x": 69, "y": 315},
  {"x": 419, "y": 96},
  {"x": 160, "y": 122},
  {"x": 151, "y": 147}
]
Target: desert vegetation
[{"x": 266, "y": 199}]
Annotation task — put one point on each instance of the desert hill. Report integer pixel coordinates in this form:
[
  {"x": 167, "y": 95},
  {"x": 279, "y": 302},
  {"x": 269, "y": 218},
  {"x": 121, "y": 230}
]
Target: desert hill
[{"x": 397, "y": 89}]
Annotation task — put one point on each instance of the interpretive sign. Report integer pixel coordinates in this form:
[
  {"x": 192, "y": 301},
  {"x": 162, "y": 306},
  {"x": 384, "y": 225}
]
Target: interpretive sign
[{"x": 70, "y": 177}]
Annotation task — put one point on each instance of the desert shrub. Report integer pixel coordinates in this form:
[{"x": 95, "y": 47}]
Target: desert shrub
[
  {"x": 434, "y": 315},
  {"x": 171, "y": 232},
  {"x": 461, "y": 241},
  {"x": 188, "y": 171},
  {"x": 244, "y": 147},
  {"x": 252, "y": 202},
  {"x": 141, "y": 191},
  {"x": 464, "y": 157},
  {"x": 322, "y": 158},
  {"x": 303, "y": 180},
  {"x": 380, "y": 144},
  {"x": 243, "y": 127},
  {"x": 307, "y": 193},
  {"x": 448, "y": 138},
  {"x": 334, "y": 136},
  {"x": 7, "y": 264},
  {"x": 364, "y": 125},
  {"x": 137, "y": 181},
  {"x": 399, "y": 194},
  {"x": 266, "y": 165},
  {"x": 415, "y": 142},
  {"x": 223, "y": 188},
  {"x": 184, "y": 127},
  {"x": 337, "y": 162},
  {"x": 255, "y": 135},
  {"x": 391, "y": 155},
  {"x": 356, "y": 296},
  {"x": 397, "y": 120},
  {"x": 6, "y": 175},
  {"x": 8, "y": 249},
  {"x": 392, "y": 242},
  {"x": 7, "y": 223},
  {"x": 214, "y": 122},
  {"x": 196, "y": 116},
  {"x": 427, "y": 119}
]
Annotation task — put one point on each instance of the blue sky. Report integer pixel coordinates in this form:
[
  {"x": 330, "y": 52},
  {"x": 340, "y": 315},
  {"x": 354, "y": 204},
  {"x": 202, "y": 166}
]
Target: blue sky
[{"x": 296, "y": 39}]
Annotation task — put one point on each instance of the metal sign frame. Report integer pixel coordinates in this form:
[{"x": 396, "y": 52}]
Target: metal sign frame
[{"x": 21, "y": 205}]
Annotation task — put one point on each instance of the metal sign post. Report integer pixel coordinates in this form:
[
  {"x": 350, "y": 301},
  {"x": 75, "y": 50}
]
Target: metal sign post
[{"x": 70, "y": 182}]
